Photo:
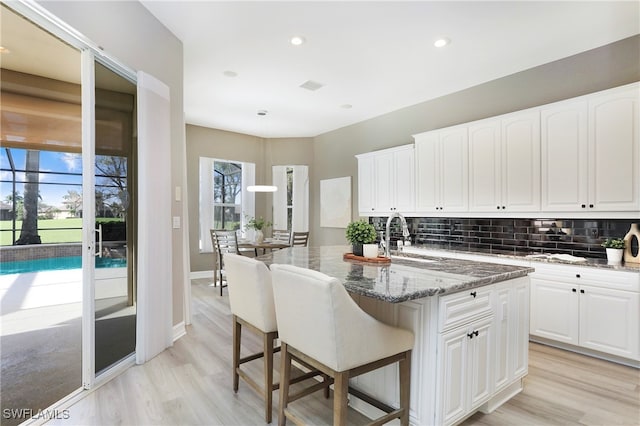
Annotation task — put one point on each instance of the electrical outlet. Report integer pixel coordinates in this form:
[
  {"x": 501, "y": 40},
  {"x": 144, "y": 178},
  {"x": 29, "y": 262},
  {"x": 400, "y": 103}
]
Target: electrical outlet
[{"x": 594, "y": 233}]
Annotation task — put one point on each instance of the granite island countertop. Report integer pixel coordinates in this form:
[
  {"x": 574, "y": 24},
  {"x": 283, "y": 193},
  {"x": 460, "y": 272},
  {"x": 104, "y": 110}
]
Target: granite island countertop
[{"x": 401, "y": 280}]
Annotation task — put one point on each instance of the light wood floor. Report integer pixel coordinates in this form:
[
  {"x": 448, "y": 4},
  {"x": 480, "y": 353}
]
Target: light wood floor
[{"x": 190, "y": 384}]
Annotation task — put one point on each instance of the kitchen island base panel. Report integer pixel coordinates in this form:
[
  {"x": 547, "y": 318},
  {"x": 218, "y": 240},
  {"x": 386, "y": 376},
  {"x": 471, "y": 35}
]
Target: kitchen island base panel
[
  {"x": 503, "y": 396},
  {"x": 423, "y": 317}
]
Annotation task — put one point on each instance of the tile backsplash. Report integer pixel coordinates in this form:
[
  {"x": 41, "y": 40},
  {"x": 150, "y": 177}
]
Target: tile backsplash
[{"x": 578, "y": 237}]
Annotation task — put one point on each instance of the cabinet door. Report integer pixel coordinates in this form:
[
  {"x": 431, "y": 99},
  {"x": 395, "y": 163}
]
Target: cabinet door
[
  {"x": 484, "y": 166},
  {"x": 452, "y": 376},
  {"x": 384, "y": 182},
  {"x": 521, "y": 161},
  {"x": 554, "y": 310},
  {"x": 614, "y": 151},
  {"x": 454, "y": 170},
  {"x": 427, "y": 172},
  {"x": 480, "y": 363},
  {"x": 609, "y": 321},
  {"x": 404, "y": 170},
  {"x": 366, "y": 182},
  {"x": 564, "y": 156}
]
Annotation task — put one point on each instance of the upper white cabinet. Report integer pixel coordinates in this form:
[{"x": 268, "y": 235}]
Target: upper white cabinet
[
  {"x": 614, "y": 150},
  {"x": 504, "y": 163},
  {"x": 442, "y": 170},
  {"x": 591, "y": 152},
  {"x": 386, "y": 181}
]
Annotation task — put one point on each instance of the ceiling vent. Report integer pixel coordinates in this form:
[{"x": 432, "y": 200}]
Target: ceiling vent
[{"x": 311, "y": 85}]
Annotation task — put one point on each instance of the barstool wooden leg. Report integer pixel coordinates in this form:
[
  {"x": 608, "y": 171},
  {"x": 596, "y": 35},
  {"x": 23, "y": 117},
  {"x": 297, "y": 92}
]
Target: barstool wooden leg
[
  {"x": 268, "y": 339},
  {"x": 237, "y": 332},
  {"x": 340, "y": 398},
  {"x": 285, "y": 376},
  {"x": 327, "y": 388},
  {"x": 405, "y": 387}
]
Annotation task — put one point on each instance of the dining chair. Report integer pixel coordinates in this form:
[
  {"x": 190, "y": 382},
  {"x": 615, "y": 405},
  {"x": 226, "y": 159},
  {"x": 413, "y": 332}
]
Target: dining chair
[
  {"x": 224, "y": 242},
  {"x": 282, "y": 235},
  {"x": 251, "y": 303},
  {"x": 299, "y": 239},
  {"x": 319, "y": 322}
]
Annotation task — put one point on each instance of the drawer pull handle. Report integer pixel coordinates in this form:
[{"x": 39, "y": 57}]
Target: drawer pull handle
[
  {"x": 573, "y": 290},
  {"x": 581, "y": 291},
  {"x": 473, "y": 333},
  {"x": 474, "y": 294},
  {"x": 577, "y": 275}
]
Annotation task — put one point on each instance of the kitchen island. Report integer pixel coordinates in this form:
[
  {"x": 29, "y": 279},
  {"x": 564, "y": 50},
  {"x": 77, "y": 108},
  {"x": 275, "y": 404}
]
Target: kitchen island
[{"x": 470, "y": 321}]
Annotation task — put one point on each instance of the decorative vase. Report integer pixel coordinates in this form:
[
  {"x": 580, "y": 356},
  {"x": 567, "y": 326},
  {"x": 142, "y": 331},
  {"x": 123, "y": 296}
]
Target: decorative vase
[
  {"x": 259, "y": 236},
  {"x": 631, "y": 244},
  {"x": 370, "y": 250},
  {"x": 357, "y": 249},
  {"x": 614, "y": 256}
]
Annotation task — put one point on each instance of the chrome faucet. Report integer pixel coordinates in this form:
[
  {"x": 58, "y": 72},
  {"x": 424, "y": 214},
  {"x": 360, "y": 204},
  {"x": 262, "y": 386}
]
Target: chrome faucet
[{"x": 405, "y": 232}]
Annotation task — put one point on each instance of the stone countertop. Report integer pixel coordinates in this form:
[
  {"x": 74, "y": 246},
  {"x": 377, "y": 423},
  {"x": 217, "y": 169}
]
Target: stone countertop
[
  {"x": 433, "y": 250},
  {"x": 403, "y": 279}
]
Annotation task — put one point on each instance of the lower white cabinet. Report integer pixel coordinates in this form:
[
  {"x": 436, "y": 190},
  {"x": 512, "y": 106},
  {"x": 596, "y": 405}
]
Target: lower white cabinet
[
  {"x": 511, "y": 333},
  {"x": 591, "y": 309},
  {"x": 465, "y": 367},
  {"x": 470, "y": 352}
]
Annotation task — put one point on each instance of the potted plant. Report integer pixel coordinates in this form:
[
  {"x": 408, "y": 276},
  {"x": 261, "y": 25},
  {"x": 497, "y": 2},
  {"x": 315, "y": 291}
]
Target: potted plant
[
  {"x": 615, "y": 248},
  {"x": 257, "y": 224},
  {"x": 361, "y": 233}
]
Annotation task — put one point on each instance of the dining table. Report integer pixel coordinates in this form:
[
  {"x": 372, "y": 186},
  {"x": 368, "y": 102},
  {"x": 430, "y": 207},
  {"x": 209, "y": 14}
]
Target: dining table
[{"x": 265, "y": 245}]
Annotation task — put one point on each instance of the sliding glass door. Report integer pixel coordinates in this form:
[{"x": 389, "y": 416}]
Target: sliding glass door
[
  {"x": 115, "y": 301},
  {"x": 67, "y": 217}
]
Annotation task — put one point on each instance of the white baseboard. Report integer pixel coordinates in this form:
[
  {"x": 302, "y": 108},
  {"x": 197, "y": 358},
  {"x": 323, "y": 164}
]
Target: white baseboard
[
  {"x": 179, "y": 330},
  {"x": 194, "y": 275}
]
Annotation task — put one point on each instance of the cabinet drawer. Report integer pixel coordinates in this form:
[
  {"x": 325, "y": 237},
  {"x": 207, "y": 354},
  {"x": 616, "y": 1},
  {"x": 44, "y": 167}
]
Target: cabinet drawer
[
  {"x": 459, "y": 308},
  {"x": 576, "y": 275}
]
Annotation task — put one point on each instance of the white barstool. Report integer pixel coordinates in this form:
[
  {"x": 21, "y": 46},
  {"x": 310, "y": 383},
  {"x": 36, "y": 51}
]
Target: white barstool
[
  {"x": 319, "y": 323},
  {"x": 251, "y": 303}
]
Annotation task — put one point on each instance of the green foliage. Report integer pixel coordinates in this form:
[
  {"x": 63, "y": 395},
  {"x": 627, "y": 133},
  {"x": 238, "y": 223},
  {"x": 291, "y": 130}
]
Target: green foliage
[
  {"x": 361, "y": 232},
  {"x": 257, "y": 223},
  {"x": 615, "y": 243}
]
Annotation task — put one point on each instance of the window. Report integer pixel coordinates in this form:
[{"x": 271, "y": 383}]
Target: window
[
  {"x": 291, "y": 207},
  {"x": 227, "y": 195},
  {"x": 224, "y": 201}
]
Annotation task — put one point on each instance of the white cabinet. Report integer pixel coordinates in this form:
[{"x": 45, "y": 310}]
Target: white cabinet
[
  {"x": 512, "y": 328},
  {"x": 504, "y": 163},
  {"x": 466, "y": 360},
  {"x": 442, "y": 170},
  {"x": 614, "y": 150},
  {"x": 591, "y": 152},
  {"x": 386, "y": 181},
  {"x": 366, "y": 184},
  {"x": 589, "y": 308}
]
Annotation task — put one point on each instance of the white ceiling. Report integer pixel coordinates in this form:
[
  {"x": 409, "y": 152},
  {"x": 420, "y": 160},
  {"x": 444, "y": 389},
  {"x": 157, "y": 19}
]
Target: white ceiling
[{"x": 376, "y": 56}]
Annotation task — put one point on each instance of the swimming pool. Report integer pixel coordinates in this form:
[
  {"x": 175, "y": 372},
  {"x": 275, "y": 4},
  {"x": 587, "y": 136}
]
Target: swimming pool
[{"x": 57, "y": 263}]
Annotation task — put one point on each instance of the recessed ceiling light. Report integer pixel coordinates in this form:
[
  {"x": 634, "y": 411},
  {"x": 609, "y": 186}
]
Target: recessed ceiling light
[
  {"x": 230, "y": 74},
  {"x": 441, "y": 42},
  {"x": 297, "y": 40}
]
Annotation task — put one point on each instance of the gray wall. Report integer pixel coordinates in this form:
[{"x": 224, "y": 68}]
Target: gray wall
[
  {"x": 129, "y": 33},
  {"x": 206, "y": 142},
  {"x": 602, "y": 68}
]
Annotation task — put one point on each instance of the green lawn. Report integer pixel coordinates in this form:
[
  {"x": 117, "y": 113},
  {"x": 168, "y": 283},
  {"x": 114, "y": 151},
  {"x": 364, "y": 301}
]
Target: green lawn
[{"x": 46, "y": 231}]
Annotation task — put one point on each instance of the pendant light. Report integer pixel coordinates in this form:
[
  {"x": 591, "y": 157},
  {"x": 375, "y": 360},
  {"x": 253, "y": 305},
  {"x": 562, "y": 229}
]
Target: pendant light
[{"x": 262, "y": 188}]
